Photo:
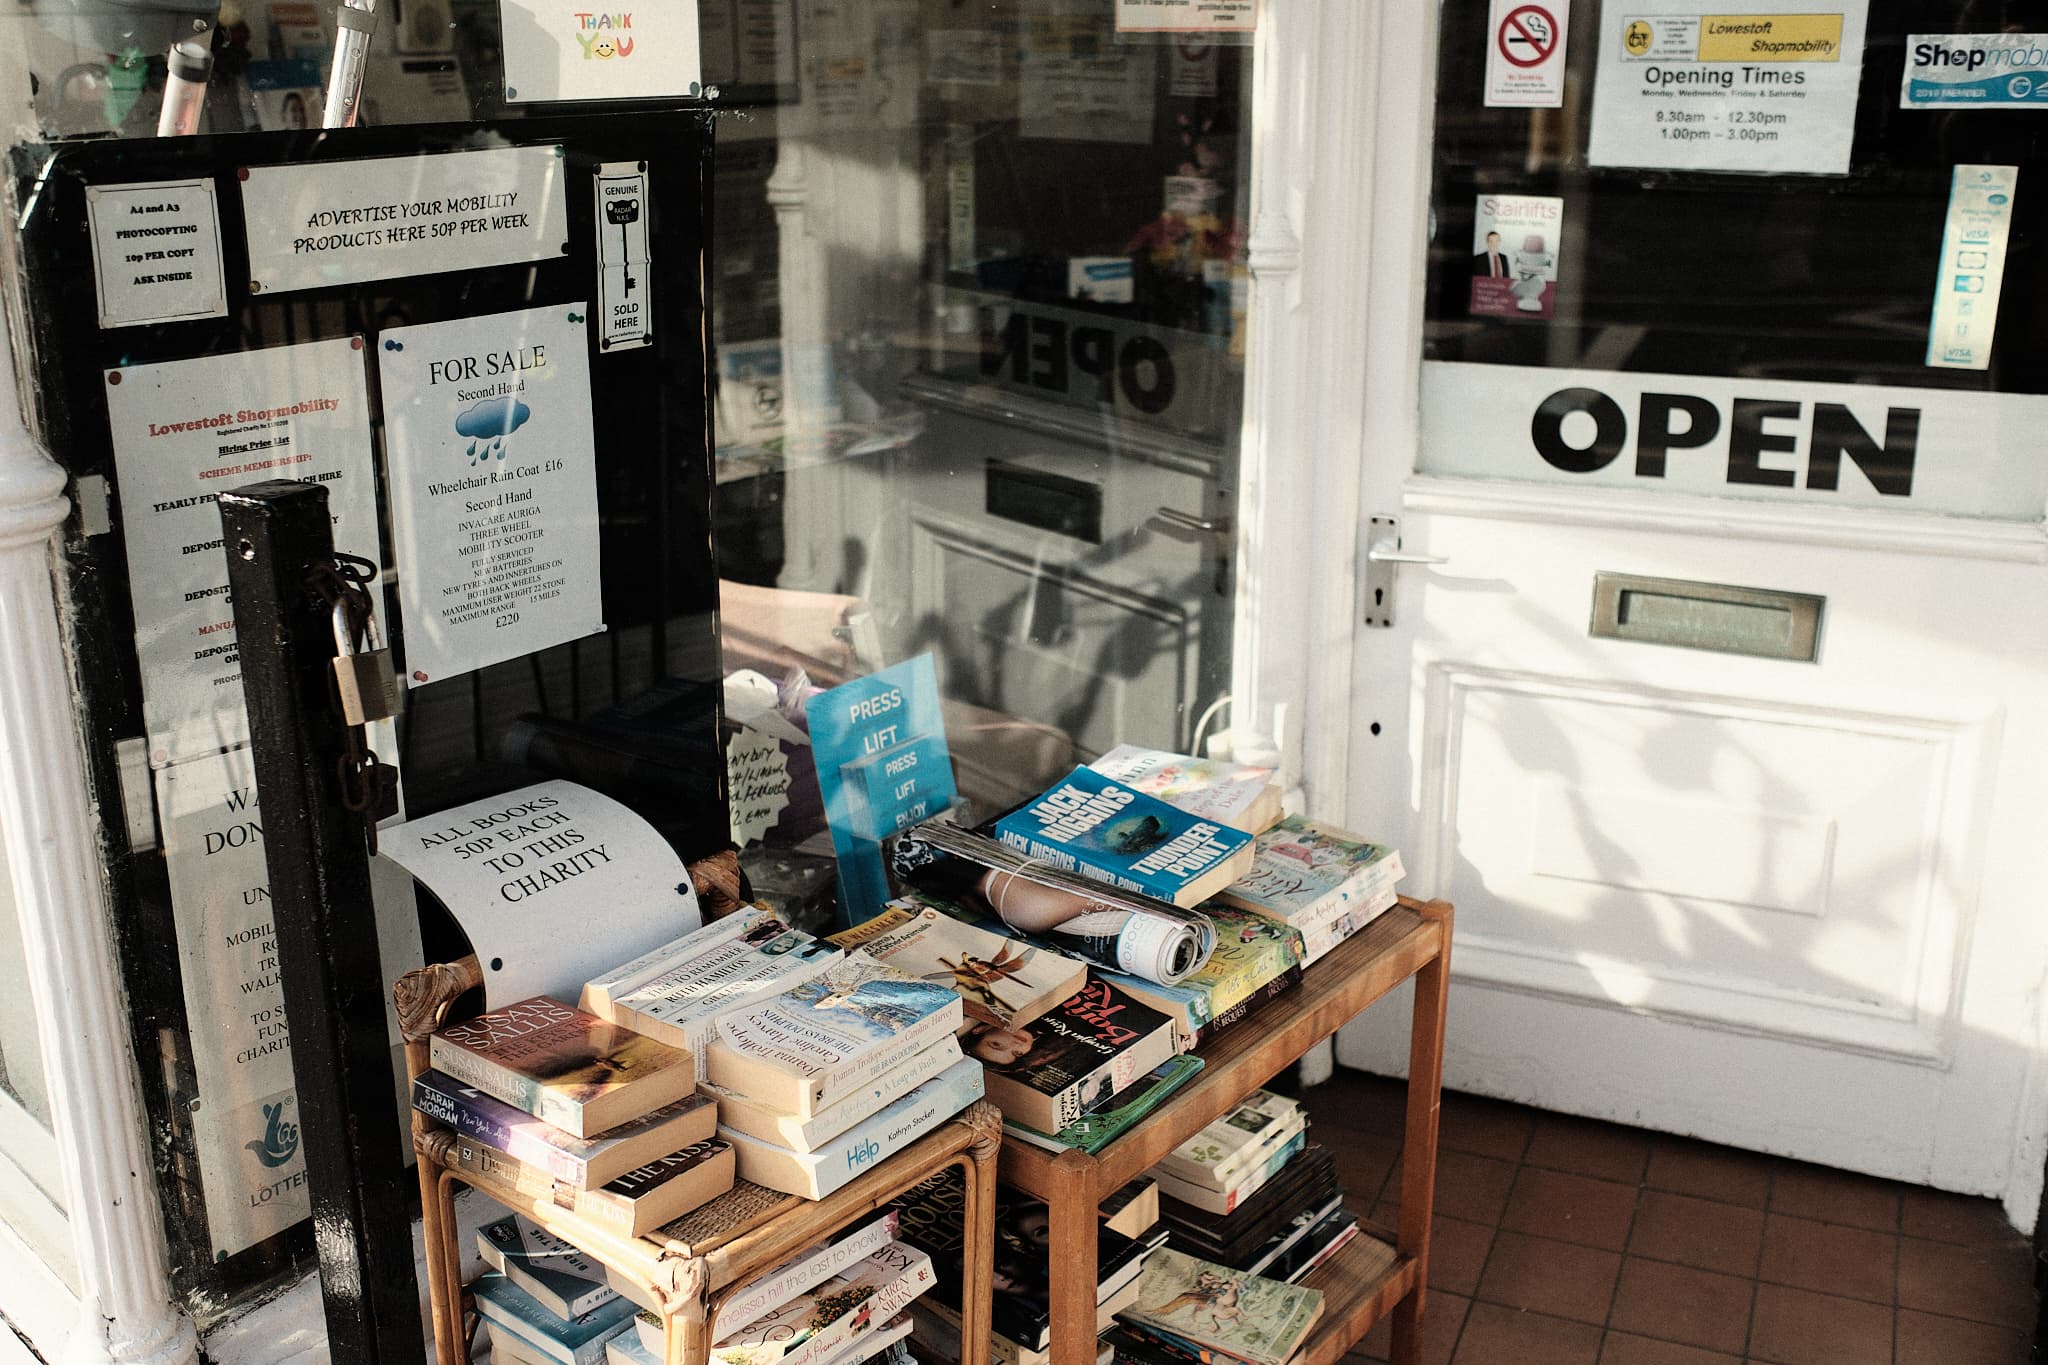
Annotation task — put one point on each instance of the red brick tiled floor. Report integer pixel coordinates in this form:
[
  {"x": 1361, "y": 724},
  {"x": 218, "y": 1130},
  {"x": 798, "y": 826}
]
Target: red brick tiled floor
[{"x": 1560, "y": 1241}]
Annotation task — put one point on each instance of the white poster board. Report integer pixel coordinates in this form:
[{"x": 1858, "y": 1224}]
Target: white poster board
[
  {"x": 321, "y": 224},
  {"x": 183, "y": 432},
  {"x": 553, "y": 884},
  {"x": 574, "y": 50},
  {"x": 1751, "y": 87},
  {"x": 156, "y": 252},
  {"x": 1075, "y": 87},
  {"x": 493, "y": 478},
  {"x": 1187, "y": 16},
  {"x": 1525, "y": 53},
  {"x": 245, "y": 1123}
]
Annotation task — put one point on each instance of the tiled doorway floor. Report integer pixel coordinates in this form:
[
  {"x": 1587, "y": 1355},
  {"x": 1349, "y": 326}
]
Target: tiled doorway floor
[{"x": 1560, "y": 1241}]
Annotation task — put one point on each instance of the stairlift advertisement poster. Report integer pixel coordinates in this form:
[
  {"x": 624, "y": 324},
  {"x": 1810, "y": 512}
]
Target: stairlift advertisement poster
[
  {"x": 1514, "y": 256},
  {"x": 1754, "y": 89},
  {"x": 493, "y": 476},
  {"x": 1975, "y": 71},
  {"x": 183, "y": 431}
]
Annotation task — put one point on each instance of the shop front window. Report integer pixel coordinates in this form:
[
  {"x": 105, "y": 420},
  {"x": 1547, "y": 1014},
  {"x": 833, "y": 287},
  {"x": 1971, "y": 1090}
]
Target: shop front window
[
  {"x": 979, "y": 301},
  {"x": 31, "y": 1188}
]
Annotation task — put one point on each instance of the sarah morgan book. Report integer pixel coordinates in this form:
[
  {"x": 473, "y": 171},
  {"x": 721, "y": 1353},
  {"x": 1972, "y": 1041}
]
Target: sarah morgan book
[
  {"x": 579, "y": 1163},
  {"x": 563, "y": 1066},
  {"x": 1115, "y": 834}
]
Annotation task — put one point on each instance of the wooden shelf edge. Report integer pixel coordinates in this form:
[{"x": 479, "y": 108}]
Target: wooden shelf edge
[
  {"x": 1354, "y": 976},
  {"x": 1360, "y": 1286}
]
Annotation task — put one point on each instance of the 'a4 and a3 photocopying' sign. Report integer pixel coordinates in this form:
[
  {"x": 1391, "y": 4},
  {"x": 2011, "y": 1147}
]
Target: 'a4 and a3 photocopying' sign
[{"x": 1755, "y": 88}]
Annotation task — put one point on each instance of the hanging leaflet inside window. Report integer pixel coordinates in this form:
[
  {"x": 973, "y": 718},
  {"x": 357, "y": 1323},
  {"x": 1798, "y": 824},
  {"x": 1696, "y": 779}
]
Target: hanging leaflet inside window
[
  {"x": 1752, "y": 88},
  {"x": 1972, "y": 268},
  {"x": 574, "y": 50},
  {"x": 624, "y": 266},
  {"x": 1525, "y": 46}
]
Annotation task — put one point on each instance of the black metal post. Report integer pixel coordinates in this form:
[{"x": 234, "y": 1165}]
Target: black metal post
[{"x": 276, "y": 534}]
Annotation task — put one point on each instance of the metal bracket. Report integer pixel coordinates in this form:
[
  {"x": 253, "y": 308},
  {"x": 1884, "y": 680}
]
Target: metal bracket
[{"x": 1383, "y": 554}]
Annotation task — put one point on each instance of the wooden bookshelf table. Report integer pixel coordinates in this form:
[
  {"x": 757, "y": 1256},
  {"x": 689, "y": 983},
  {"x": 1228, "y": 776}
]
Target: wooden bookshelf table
[
  {"x": 691, "y": 1265},
  {"x": 1369, "y": 1277}
]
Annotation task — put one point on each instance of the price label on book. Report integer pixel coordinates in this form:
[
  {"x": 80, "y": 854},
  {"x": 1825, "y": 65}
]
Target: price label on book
[{"x": 882, "y": 767}]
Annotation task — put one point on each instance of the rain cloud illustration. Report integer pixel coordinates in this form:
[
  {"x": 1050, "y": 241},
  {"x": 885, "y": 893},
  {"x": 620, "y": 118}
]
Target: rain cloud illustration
[{"x": 486, "y": 425}]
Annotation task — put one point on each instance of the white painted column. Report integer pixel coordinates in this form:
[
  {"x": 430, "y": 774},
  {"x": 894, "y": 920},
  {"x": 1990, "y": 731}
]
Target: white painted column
[
  {"x": 1312, "y": 93},
  {"x": 125, "y": 1313}
]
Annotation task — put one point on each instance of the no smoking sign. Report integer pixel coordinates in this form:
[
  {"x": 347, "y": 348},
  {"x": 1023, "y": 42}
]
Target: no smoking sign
[{"x": 1525, "y": 54}]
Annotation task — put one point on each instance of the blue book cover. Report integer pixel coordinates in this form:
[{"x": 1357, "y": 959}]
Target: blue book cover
[
  {"x": 575, "y": 1341},
  {"x": 1100, "y": 828}
]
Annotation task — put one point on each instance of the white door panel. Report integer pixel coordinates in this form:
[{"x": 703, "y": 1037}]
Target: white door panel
[{"x": 1778, "y": 904}]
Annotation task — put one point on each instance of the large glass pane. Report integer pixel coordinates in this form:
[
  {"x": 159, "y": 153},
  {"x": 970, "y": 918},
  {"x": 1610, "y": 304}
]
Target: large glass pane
[
  {"x": 978, "y": 309},
  {"x": 31, "y": 1189}
]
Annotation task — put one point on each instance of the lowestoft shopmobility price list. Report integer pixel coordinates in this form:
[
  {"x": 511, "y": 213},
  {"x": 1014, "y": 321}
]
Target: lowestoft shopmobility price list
[
  {"x": 186, "y": 431},
  {"x": 493, "y": 470}
]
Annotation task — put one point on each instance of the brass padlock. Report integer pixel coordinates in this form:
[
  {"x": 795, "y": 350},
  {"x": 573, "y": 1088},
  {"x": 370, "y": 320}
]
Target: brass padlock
[{"x": 368, "y": 687}]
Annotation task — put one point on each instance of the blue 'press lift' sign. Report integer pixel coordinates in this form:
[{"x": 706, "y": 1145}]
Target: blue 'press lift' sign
[{"x": 880, "y": 746}]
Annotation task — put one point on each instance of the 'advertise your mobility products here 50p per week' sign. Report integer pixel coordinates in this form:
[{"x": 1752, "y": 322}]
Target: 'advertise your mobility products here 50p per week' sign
[
  {"x": 318, "y": 224},
  {"x": 1975, "y": 71},
  {"x": 1752, "y": 88},
  {"x": 487, "y": 421},
  {"x": 880, "y": 747}
]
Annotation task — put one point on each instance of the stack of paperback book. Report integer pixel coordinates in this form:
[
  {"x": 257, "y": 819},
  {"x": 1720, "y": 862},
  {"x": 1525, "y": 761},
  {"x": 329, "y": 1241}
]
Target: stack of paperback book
[
  {"x": 818, "y": 1083},
  {"x": 1020, "y": 1311},
  {"x": 545, "y": 1302},
  {"x": 1319, "y": 880},
  {"x": 1250, "y": 1193},
  {"x": 561, "y": 1105},
  {"x": 1195, "y": 1312},
  {"x": 836, "y": 1304}
]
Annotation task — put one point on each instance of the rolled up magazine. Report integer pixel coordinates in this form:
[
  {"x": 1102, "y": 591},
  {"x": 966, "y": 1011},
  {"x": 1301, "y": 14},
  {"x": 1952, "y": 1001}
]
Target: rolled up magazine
[{"x": 1123, "y": 930}]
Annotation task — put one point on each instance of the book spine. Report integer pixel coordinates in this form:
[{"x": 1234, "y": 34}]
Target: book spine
[
  {"x": 814, "y": 1175},
  {"x": 1213, "y": 1201},
  {"x": 457, "y": 1113},
  {"x": 607, "y": 1210},
  {"x": 1279, "y": 985},
  {"x": 888, "y": 1300},
  {"x": 799, "y": 1276},
  {"x": 807, "y": 1135},
  {"x": 461, "y": 1065},
  {"x": 631, "y": 975},
  {"x": 535, "y": 1338},
  {"x": 841, "y": 1082}
]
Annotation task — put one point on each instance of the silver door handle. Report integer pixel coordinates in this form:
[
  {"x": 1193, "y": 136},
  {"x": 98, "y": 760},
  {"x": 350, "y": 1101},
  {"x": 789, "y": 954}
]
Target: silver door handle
[
  {"x": 1188, "y": 521},
  {"x": 1387, "y": 552}
]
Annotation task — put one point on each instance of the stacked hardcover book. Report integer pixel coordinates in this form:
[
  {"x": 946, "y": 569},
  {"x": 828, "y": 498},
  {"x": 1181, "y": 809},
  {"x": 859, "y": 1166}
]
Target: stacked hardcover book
[
  {"x": 1250, "y": 1193},
  {"x": 558, "y": 1103},
  {"x": 1319, "y": 880},
  {"x": 932, "y": 1218},
  {"x": 835, "y": 1304},
  {"x": 818, "y": 1083}
]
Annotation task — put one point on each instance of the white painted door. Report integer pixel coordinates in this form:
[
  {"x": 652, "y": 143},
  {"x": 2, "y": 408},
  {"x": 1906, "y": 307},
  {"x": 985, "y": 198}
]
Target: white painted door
[{"x": 1787, "y": 905}]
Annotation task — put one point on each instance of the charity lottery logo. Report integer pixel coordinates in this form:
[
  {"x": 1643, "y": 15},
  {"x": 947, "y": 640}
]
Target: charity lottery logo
[
  {"x": 280, "y": 1141},
  {"x": 603, "y": 36},
  {"x": 487, "y": 424}
]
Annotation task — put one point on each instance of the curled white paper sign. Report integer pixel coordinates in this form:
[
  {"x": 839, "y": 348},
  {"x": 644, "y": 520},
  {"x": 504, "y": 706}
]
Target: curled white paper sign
[{"x": 553, "y": 883}]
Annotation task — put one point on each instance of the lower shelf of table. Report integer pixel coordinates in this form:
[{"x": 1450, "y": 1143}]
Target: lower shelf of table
[{"x": 1360, "y": 1284}]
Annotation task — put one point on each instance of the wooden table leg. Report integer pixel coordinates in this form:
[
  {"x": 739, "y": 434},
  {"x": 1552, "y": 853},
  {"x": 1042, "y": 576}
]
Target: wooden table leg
[
  {"x": 451, "y": 1267},
  {"x": 433, "y": 1230},
  {"x": 1418, "y": 1151},
  {"x": 978, "y": 1170},
  {"x": 1072, "y": 1211}
]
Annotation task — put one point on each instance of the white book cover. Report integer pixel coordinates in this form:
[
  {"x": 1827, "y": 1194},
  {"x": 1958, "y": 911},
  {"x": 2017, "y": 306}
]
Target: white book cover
[
  {"x": 813, "y": 1175},
  {"x": 1235, "y": 1143},
  {"x": 627, "y": 975},
  {"x": 1210, "y": 788}
]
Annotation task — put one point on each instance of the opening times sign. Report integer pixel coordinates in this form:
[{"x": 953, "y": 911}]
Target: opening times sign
[{"x": 1749, "y": 88}]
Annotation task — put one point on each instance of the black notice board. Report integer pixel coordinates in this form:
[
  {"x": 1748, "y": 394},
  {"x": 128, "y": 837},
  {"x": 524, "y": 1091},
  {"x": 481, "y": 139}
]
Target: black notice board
[{"x": 632, "y": 712}]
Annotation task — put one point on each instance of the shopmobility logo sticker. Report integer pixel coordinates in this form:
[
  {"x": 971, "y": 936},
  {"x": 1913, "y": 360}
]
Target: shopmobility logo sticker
[
  {"x": 604, "y": 36},
  {"x": 280, "y": 1140}
]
